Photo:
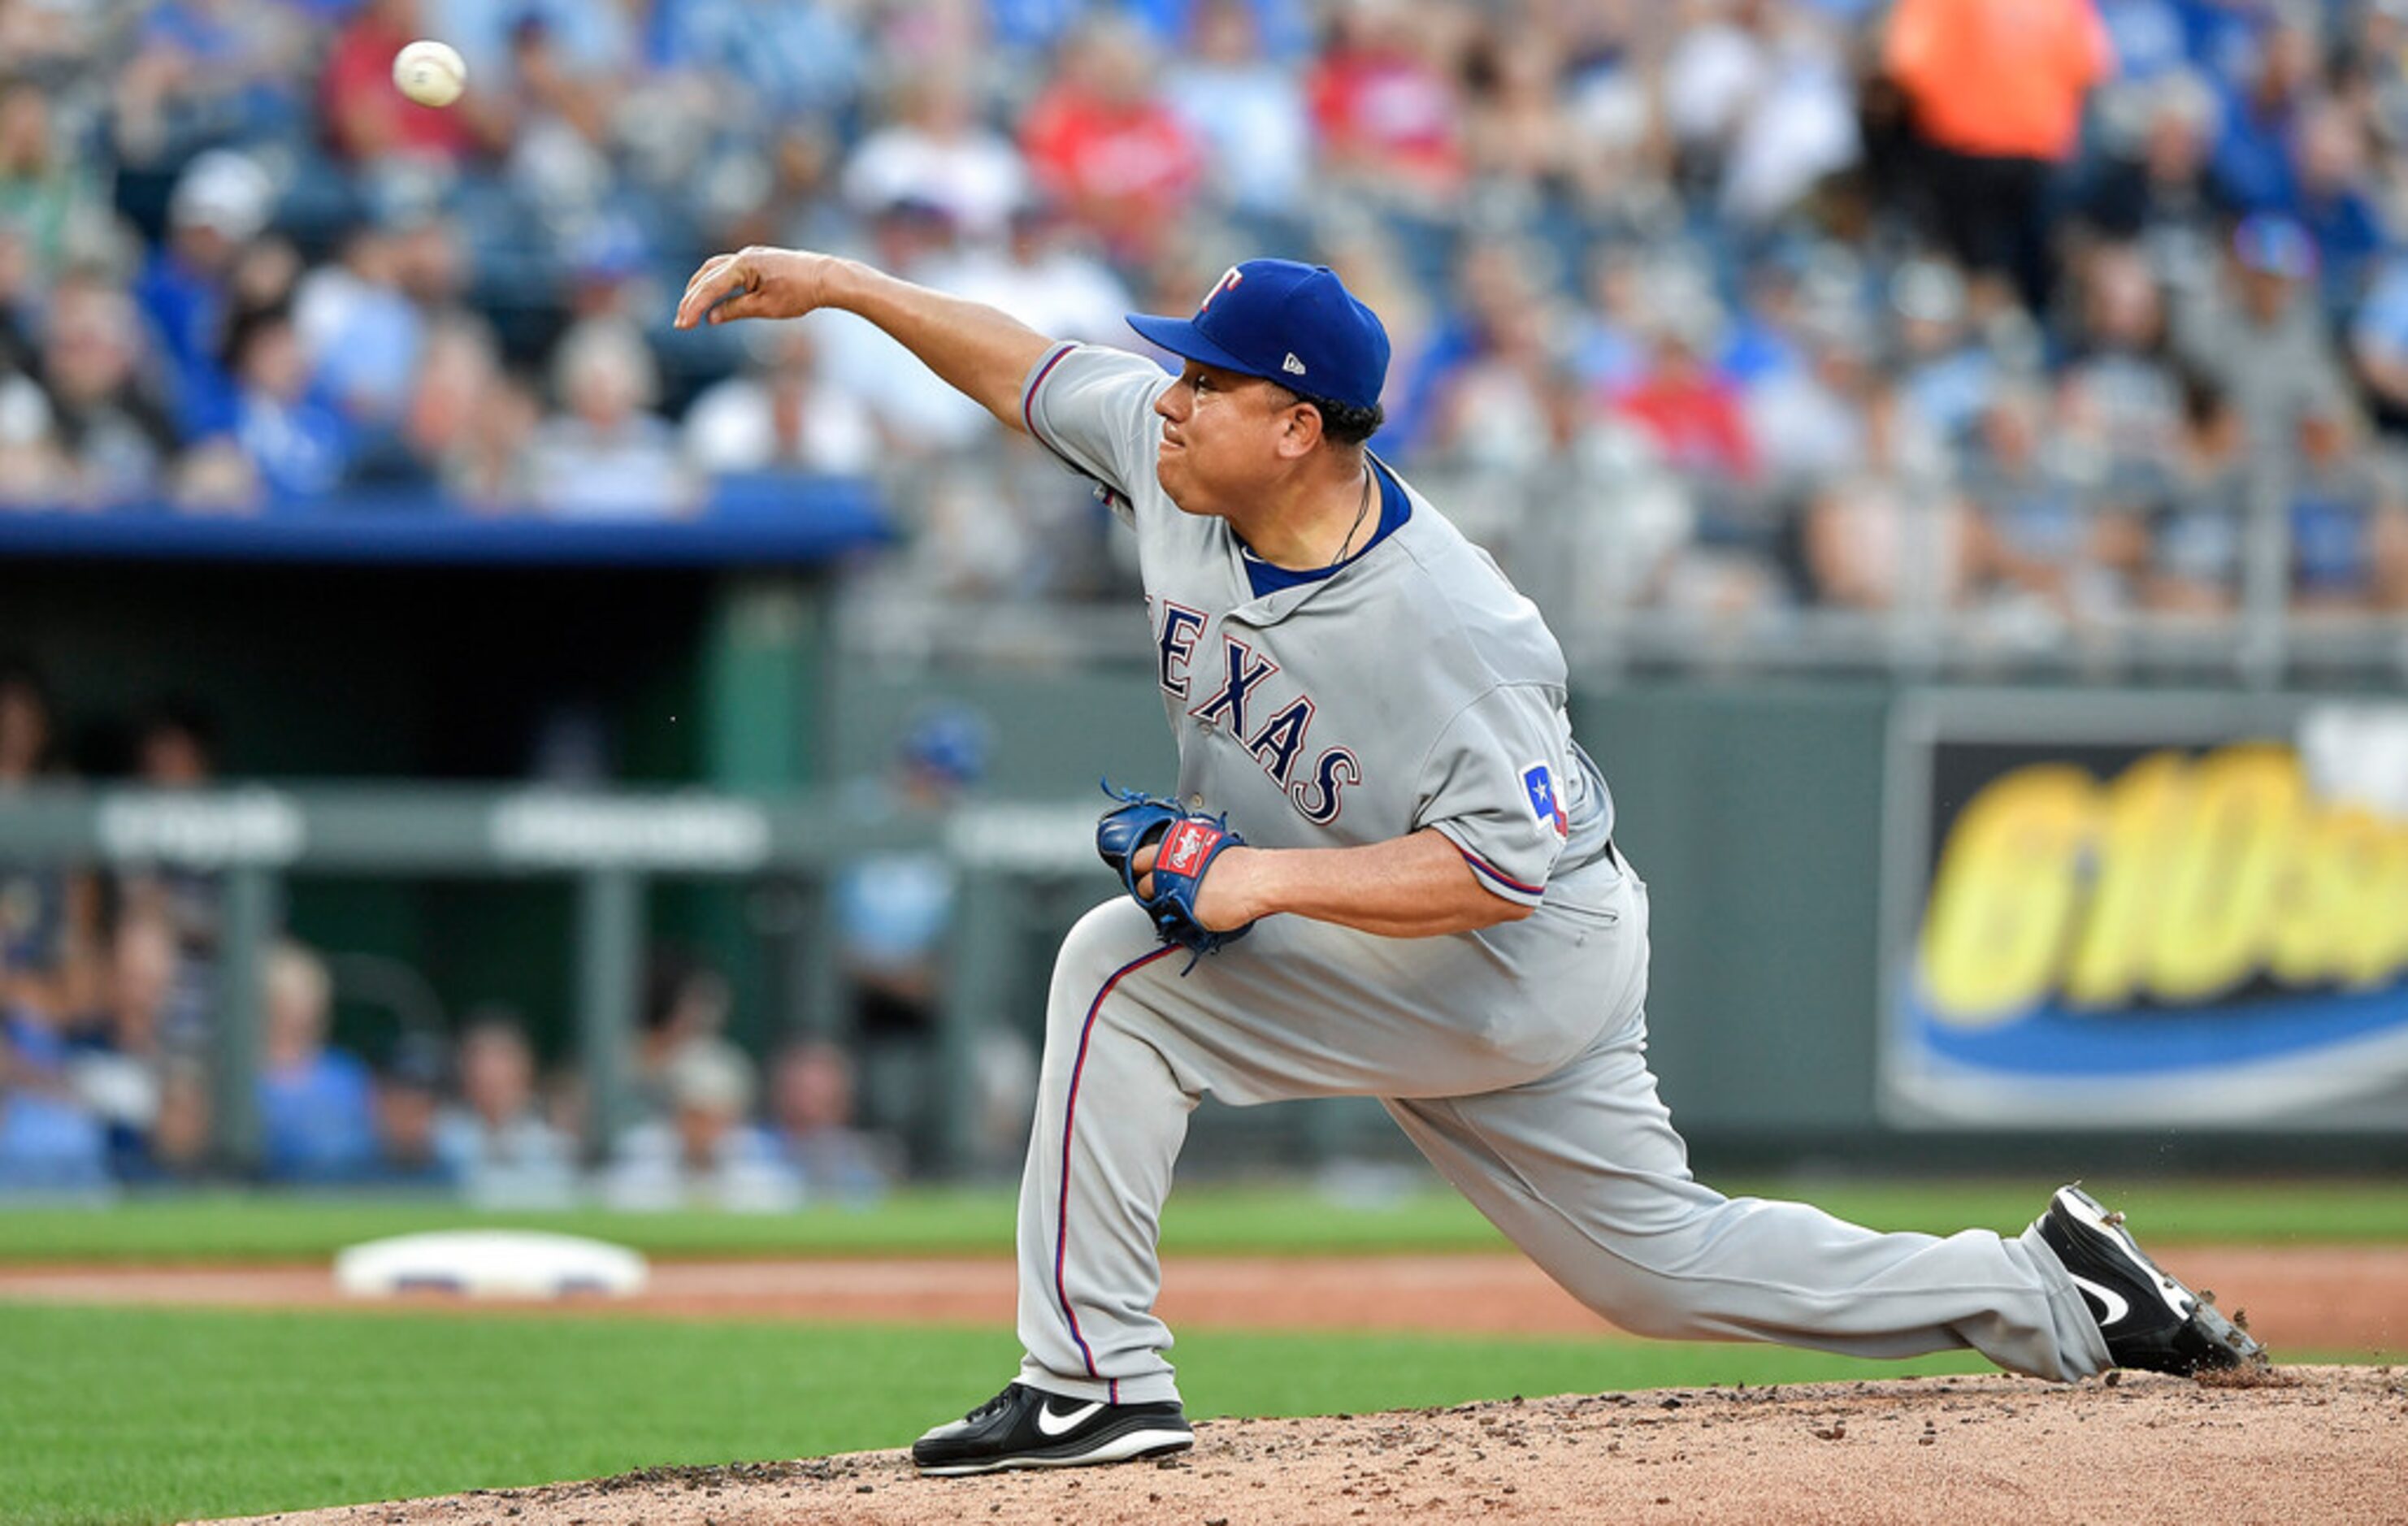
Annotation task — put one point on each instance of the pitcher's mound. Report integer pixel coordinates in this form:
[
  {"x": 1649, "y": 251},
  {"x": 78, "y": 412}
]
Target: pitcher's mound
[{"x": 2330, "y": 1448}]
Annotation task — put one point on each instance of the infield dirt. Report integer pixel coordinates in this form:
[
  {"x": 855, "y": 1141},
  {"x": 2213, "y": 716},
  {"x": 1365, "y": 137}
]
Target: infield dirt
[
  {"x": 2334, "y": 1298},
  {"x": 2329, "y": 1445}
]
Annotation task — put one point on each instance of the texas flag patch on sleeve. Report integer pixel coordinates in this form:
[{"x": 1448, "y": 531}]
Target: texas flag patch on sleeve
[{"x": 1540, "y": 785}]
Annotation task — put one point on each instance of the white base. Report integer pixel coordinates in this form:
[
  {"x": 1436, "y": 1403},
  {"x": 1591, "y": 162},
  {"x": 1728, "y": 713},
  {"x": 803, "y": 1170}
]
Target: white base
[{"x": 489, "y": 1264}]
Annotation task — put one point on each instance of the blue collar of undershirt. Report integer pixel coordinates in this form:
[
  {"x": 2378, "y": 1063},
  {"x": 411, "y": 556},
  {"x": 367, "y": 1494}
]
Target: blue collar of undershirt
[{"x": 1394, "y": 509}]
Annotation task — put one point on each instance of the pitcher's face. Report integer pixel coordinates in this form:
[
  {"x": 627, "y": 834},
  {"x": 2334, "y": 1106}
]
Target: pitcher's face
[{"x": 1226, "y": 436}]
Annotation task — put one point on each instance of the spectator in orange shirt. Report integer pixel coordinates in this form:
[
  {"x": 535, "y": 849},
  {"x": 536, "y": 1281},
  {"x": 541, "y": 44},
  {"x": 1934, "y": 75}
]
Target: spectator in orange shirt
[{"x": 1994, "y": 91}]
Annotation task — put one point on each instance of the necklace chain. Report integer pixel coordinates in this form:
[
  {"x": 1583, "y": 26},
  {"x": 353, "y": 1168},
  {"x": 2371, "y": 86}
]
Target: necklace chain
[{"x": 1360, "y": 510}]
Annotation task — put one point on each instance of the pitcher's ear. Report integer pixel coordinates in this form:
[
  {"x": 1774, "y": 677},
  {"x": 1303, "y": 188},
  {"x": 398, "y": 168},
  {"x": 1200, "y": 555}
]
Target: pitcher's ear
[{"x": 1302, "y": 430}]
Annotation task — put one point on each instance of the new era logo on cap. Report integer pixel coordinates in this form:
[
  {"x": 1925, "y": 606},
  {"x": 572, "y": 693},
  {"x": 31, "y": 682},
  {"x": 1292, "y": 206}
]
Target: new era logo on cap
[{"x": 1282, "y": 320}]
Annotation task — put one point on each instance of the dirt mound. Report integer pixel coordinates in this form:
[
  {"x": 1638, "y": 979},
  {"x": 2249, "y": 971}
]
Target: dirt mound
[{"x": 1968, "y": 1451}]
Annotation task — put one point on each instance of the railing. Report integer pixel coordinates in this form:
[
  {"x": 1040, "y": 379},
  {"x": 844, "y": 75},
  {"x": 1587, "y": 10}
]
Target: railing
[
  {"x": 611, "y": 846},
  {"x": 1567, "y": 540}
]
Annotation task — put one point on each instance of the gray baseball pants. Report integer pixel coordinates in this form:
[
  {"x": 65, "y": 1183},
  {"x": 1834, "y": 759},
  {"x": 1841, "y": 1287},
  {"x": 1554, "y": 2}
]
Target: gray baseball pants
[{"x": 1528, "y": 1089}]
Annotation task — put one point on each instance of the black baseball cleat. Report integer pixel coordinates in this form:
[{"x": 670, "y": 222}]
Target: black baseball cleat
[
  {"x": 1028, "y": 1428},
  {"x": 2151, "y": 1321}
]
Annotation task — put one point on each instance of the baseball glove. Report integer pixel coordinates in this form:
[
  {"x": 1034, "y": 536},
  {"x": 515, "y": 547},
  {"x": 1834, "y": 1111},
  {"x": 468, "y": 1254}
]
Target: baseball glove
[{"x": 1189, "y": 842}]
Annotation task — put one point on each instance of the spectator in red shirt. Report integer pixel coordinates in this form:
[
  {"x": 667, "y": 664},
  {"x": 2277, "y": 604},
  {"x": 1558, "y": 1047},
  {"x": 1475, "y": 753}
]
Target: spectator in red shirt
[
  {"x": 1693, "y": 413},
  {"x": 1385, "y": 106},
  {"x": 1108, "y": 148},
  {"x": 368, "y": 118}
]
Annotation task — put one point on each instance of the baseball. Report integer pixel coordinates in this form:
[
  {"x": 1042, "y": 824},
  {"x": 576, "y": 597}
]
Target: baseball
[{"x": 430, "y": 73}]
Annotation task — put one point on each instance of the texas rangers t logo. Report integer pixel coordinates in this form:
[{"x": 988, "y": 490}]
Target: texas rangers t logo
[
  {"x": 1539, "y": 786},
  {"x": 1229, "y": 278}
]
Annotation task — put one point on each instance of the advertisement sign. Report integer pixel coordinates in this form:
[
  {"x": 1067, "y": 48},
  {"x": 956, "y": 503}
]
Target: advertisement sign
[{"x": 2156, "y": 911}]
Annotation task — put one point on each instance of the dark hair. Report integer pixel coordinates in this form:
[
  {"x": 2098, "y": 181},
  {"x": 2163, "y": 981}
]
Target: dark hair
[
  {"x": 2203, "y": 399},
  {"x": 1345, "y": 423},
  {"x": 19, "y": 672},
  {"x": 245, "y": 328},
  {"x": 675, "y": 973},
  {"x": 24, "y": 678},
  {"x": 183, "y": 714}
]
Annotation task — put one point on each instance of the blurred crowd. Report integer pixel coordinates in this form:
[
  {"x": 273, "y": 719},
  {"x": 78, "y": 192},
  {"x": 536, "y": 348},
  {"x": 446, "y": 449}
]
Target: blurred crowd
[
  {"x": 1770, "y": 304},
  {"x": 1722, "y": 307},
  {"x": 110, "y": 1047}
]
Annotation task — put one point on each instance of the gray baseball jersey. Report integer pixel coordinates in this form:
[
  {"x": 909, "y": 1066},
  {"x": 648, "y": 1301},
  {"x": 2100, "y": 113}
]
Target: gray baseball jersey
[
  {"x": 1416, "y": 688},
  {"x": 1413, "y": 688}
]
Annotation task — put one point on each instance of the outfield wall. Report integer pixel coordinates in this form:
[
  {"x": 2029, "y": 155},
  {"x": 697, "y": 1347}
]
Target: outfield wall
[
  {"x": 1765, "y": 815},
  {"x": 1790, "y": 834}
]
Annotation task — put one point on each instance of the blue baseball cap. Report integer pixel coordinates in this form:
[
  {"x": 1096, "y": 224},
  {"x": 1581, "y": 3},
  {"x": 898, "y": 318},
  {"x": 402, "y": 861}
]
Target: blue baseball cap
[
  {"x": 1285, "y": 321},
  {"x": 949, "y": 740},
  {"x": 2275, "y": 245}
]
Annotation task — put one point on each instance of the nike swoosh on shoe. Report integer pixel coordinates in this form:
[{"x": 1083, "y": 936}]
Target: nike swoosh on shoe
[
  {"x": 2112, "y": 1307},
  {"x": 1058, "y": 1425}
]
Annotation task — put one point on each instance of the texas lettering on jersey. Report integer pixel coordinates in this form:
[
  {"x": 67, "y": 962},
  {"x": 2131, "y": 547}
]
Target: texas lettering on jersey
[{"x": 1244, "y": 704}]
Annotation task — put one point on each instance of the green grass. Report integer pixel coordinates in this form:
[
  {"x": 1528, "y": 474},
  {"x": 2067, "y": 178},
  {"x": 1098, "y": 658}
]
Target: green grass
[
  {"x": 135, "y": 1416},
  {"x": 143, "y": 1415},
  {"x": 1208, "y": 1220}
]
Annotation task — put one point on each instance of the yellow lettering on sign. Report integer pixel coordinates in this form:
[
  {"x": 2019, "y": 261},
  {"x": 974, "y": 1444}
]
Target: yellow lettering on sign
[
  {"x": 2216, "y": 923},
  {"x": 2181, "y": 880},
  {"x": 2314, "y": 899},
  {"x": 2371, "y": 920},
  {"x": 2148, "y": 810},
  {"x": 2003, "y": 891},
  {"x": 2326, "y": 915}
]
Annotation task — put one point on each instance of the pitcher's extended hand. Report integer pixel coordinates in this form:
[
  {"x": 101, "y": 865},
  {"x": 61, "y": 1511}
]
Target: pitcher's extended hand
[{"x": 754, "y": 282}]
